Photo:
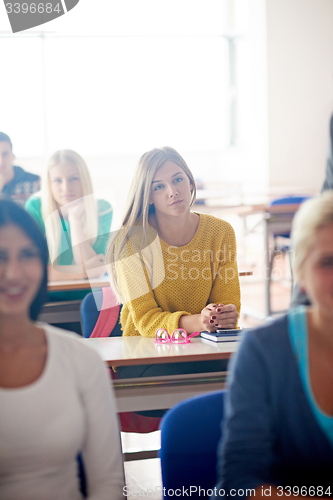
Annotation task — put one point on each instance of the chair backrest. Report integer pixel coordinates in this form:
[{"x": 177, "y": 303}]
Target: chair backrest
[
  {"x": 96, "y": 313},
  {"x": 287, "y": 200},
  {"x": 190, "y": 434}
]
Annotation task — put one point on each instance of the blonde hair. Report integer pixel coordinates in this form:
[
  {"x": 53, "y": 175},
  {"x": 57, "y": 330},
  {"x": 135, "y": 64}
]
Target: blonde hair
[
  {"x": 313, "y": 215},
  {"x": 49, "y": 205},
  {"x": 138, "y": 208}
]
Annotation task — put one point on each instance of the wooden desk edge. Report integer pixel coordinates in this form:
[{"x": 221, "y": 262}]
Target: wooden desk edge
[
  {"x": 170, "y": 380},
  {"x": 80, "y": 285},
  {"x": 168, "y": 359}
]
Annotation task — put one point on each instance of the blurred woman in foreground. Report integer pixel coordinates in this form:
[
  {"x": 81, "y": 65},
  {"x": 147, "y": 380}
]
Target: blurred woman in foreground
[
  {"x": 51, "y": 409},
  {"x": 278, "y": 436}
]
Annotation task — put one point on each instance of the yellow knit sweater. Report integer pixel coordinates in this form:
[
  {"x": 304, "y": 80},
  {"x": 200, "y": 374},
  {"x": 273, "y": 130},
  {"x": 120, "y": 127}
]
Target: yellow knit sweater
[{"x": 163, "y": 282}]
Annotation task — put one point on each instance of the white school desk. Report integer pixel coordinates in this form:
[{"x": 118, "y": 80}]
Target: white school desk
[
  {"x": 152, "y": 393},
  {"x": 69, "y": 311}
]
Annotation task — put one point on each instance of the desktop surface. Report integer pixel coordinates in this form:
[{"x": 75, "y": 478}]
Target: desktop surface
[{"x": 122, "y": 351}]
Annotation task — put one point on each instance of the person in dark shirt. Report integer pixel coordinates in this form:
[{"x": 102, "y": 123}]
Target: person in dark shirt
[
  {"x": 15, "y": 183},
  {"x": 299, "y": 297}
]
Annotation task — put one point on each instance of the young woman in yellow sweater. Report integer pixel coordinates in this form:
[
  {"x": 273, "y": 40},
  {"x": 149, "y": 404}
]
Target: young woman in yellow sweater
[{"x": 171, "y": 267}]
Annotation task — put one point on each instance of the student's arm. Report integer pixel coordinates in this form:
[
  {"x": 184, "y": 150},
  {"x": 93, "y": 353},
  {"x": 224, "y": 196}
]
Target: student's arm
[
  {"x": 194, "y": 323},
  {"x": 82, "y": 248},
  {"x": 92, "y": 268},
  {"x": 102, "y": 455},
  {"x": 137, "y": 293},
  {"x": 226, "y": 289},
  {"x": 136, "y": 277},
  {"x": 105, "y": 215},
  {"x": 61, "y": 273},
  {"x": 33, "y": 206},
  {"x": 247, "y": 452}
]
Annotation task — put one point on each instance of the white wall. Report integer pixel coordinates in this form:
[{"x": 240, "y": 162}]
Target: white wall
[
  {"x": 286, "y": 97},
  {"x": 300, "y": 90}
]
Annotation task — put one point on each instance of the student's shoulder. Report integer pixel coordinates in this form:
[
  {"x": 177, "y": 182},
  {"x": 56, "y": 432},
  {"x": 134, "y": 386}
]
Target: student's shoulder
[
  {"x": 269, "y": 339},
  {"x": 23, "y": 176},
  {"x": 34, "y": 203},
  {"x": 103, "y": 207},
  {"x": 71, "y": 344},
  {"x": 215, "y": 223},
  {"x": 135, "y": 238}
]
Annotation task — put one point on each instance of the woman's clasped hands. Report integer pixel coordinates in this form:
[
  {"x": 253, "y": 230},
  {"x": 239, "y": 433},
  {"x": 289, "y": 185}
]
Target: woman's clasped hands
[{"x": 219, "y": 316}]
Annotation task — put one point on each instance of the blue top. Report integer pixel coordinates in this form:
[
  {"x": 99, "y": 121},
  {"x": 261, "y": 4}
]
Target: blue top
[
  {"x": 298, "y": 332},
  {"x": 104, "y": 210},
  {"x": 271, "y": 435}
]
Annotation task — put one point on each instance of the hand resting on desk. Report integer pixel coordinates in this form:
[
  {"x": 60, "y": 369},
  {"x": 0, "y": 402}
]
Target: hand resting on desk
[
  {"x": 216, "y": 316},
  {"x": 92, "y": 268}
]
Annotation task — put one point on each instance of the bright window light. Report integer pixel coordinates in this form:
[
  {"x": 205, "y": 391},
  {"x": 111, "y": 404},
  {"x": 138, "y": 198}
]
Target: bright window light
[
  {"x": 22, "y": 94},
  {"x": 112, "y": 79},
  {"x": 124, "y": 95}
]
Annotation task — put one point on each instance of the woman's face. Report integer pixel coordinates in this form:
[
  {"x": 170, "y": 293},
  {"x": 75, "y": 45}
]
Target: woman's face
[
  {"x": 170, "y": 190},
  {"x": 65, "y": 183},
  {"x": 317, "y": 271},
  {"x": 21, "y": 272}
]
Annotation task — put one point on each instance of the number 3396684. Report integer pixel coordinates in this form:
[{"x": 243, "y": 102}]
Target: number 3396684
[{"x": 33, "y": 8}]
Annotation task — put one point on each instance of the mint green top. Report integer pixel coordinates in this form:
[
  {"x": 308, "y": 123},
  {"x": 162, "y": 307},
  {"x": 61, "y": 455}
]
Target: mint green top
[
  {"x": 34, "y": 207},
  {"x": 298, "y": 333}
]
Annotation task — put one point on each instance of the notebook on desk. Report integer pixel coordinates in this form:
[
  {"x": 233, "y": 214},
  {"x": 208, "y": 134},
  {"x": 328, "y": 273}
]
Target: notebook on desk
[{"x": 222, "y": 335}]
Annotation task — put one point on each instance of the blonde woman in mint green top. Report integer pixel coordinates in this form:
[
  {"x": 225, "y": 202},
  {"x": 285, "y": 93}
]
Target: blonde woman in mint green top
[{"x": 76, "y": 225}]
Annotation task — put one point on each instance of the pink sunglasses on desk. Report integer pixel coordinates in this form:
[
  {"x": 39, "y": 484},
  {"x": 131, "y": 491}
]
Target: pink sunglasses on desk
[{"x": 178, "y": 336}]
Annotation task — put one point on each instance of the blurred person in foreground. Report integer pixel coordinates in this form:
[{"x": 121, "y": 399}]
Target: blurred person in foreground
[
  {"x": 52, "y": 410},
  {"x": 278, "y": 438},
  {"x": 298, "y": 295}
]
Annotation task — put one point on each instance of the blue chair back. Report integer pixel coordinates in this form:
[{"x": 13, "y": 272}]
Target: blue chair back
[
  {"x": 90, "y": 309},
  {"x": 288, "y": 200},
  {"x": 190, "y": 434}
]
